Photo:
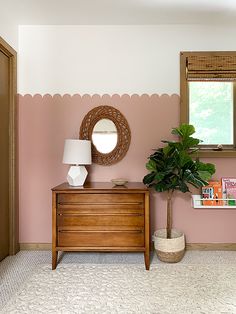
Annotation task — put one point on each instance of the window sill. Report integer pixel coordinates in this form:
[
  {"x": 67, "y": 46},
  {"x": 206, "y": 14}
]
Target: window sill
[{"x": 227, "y": 153}]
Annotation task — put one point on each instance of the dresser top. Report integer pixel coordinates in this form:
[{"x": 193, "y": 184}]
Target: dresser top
[{"x": 135, "y": 186}]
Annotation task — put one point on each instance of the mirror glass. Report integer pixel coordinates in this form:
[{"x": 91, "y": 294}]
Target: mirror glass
[{"x": 104, "y": 136}]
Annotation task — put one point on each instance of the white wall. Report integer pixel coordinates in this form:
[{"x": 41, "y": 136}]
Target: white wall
[
  {"x": 9, "y": 31},
  {"x": 111, "y": 59}
]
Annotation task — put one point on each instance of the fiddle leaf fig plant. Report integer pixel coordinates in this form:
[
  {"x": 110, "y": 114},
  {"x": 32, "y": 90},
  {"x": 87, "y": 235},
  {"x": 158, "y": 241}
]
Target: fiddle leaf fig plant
[{"x": 173, "y": 167}]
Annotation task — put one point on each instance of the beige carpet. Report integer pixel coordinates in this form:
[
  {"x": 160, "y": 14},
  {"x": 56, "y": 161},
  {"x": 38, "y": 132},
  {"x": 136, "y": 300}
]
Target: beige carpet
[{"x": 177, "y": 288}]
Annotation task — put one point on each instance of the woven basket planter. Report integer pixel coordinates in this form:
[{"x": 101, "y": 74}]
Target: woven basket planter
[{"x": 169, "y": 250}]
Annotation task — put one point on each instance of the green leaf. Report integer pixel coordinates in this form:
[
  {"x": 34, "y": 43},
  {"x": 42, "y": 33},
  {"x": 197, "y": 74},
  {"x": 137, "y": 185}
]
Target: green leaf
[
  {"x": 184, "y": 158},
  {"x": 167, "y": 150},
  {"x": 190, "y": 142},
  {"x": 183, "y": 187},
  {"x": 148, "y": 179},
  {"x": 196, "y": 180},
  {"x": 193, "y": 150},
  {"x": 157, "y": 155},
  {"x": 151, "y": 165},
  {"x": 185, "y": 130},
  {"x": 159, "y": 176},
  {"x": 161, "y": 187},
  {"x": 204, "y": 175},
  {"x": 205, "y": 167}
]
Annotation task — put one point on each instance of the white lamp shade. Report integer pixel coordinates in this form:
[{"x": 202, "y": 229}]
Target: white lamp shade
[{"x": 77, "y": 152}]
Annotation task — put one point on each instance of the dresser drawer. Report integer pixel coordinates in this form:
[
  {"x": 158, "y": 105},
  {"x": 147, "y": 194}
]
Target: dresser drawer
[
  {"x": 101, "y": 198},
  {"x": 100, "y": 220},
  {"x": 132, "y": 238},
  {"x": 100, "y": 208}
]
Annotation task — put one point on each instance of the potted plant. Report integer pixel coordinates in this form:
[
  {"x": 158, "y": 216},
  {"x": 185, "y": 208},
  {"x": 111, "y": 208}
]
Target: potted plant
[{"x": 173, "y": 168}]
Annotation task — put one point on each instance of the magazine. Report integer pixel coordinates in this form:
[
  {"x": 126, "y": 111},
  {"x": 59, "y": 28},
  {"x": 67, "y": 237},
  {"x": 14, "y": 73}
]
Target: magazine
[
  {"x": 227, "y": 180},
  {"x": 231, "y": 193}
]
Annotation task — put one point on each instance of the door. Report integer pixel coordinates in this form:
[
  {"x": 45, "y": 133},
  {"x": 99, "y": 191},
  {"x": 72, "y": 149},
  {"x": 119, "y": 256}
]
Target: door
[
  {"x": 4, "y": 156},
  {"x": 8, "y": 173}
]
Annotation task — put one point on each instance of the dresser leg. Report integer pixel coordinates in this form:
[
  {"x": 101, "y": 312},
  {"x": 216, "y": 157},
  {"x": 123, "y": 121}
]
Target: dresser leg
[
  {"x": 54, "y": 259},
  {"x": 147, "y": 259}
]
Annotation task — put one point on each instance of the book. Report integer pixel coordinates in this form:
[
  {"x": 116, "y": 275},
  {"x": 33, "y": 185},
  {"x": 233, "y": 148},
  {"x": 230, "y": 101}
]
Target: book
[
  {"x": 207, "y": 195},
  {"x": 212, "y": 194},
  {"x": 231, "y": 193},
  {"x": 225, "y": 180}
]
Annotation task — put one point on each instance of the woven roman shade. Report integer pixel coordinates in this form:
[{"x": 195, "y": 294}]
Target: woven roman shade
[{"x": 211, "y": 67}]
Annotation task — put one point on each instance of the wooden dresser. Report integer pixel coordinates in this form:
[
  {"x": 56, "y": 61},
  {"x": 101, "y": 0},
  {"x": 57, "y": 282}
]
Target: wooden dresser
[{"x": 100, "y": 217}]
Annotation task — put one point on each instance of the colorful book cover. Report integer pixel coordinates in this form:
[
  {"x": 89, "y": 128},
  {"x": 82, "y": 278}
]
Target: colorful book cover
[
  {"x": 231, "y": 193},
  {"x": 212, "y": 194},
  {"x": 207, "y": 195},
  {"x": 225, "y": 180}
]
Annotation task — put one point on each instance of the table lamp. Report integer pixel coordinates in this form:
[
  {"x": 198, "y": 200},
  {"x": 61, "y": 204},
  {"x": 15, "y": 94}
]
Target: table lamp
[{"x": 78, "y": 154}]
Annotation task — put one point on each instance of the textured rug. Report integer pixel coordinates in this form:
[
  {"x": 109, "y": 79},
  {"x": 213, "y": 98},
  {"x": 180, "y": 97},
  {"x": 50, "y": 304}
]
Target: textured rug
[{"x": 165, "y": 289}]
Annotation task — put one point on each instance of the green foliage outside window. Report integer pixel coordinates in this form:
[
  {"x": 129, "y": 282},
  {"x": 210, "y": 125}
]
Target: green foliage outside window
[{"x": 211, "y": 111}]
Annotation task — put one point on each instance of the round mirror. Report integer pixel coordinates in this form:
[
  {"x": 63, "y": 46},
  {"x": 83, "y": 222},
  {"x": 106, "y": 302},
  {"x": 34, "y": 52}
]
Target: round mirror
[
  {"x": 104, "y": 136},
  {"x": 109, "y": 132}
]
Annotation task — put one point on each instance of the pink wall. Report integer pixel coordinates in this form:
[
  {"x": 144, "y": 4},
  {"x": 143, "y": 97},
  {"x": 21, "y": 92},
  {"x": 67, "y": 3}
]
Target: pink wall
[{"x": 44, "y": 123}]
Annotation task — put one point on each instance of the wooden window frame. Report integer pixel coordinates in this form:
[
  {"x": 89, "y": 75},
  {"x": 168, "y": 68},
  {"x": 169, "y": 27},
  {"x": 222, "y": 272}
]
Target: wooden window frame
[{"x": 228, "y": 151}]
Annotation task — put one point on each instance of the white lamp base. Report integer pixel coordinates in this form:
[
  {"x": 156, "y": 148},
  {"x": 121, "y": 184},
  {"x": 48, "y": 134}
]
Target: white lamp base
[{"x": 77, "y": 175}]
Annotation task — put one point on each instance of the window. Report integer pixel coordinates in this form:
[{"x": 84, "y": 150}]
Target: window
[
  {"x": 207, "y": 91},
  {"x": 211, "y": 112}
]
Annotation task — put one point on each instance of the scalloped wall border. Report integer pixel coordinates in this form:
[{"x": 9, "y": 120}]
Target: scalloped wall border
[{"x": 103, "y": 96}]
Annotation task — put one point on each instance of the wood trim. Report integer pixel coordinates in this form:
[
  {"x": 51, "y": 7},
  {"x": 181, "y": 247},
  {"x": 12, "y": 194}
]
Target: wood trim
[
  {"x": 211, "y": 246},
  {"x": 35, "y": 246},
  {"x": 189, "y": 247},
  {"x": 147, "y": 231},
  {"x": 184, "y": 103},
  {"x": 216, "y": 154},
  {"x": 101, "y": 249},
  {"x": 13, "y": 151},
  {"x": 184, "y": 112},
  {"x": 54, "y": 230},
  {"x": 234, "y": 112}
]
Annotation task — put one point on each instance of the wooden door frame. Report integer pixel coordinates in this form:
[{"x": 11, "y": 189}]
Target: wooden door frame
[{"x": 13, "y": 151}]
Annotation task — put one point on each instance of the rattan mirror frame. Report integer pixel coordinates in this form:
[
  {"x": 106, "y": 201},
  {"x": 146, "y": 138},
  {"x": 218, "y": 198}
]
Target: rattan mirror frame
[{"x": 123, "y": 132}]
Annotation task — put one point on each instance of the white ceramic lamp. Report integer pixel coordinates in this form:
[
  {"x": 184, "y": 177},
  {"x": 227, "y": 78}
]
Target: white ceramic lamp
[{"x": 78, "y": 154}]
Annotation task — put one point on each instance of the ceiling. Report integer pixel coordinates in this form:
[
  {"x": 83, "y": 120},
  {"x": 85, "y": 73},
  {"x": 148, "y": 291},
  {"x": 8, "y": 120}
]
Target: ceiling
[{"x": 119, "y": 12}]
